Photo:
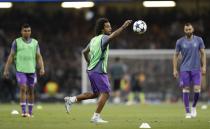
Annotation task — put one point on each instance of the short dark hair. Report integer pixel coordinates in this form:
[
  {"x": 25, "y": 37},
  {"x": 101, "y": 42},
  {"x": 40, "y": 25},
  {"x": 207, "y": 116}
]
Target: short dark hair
[
  {"x": 188, "y": 24},
  {"x": 100, "y": 25},
  {"x": 25, "y": 25}
]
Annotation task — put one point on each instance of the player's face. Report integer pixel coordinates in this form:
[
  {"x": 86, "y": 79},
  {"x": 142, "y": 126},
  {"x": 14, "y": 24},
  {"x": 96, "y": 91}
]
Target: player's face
[
  {"x": 188, "y": 30},
  {"x": 26, "y": 32},
  {"x": 107, "y": 28}
]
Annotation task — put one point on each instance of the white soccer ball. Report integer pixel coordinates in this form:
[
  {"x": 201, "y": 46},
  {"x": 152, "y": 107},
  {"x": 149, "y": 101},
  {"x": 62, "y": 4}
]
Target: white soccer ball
[{"x": 140, "y": 27}]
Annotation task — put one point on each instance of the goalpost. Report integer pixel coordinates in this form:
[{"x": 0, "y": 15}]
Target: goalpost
[{"x": 155, "y": 64}]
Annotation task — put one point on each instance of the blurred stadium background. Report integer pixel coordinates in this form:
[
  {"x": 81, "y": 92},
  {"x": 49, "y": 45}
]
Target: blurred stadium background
[{"x": 63, "y": 32}]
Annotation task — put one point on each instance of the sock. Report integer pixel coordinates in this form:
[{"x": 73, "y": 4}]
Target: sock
[
  {"x": 23, "y": 107},
  {"x": 131, "y": 96},
  {"x": 196, "y": 97},
  {"x": 186, "y": 101},
  {"x": 30, "y": 108},
  {"x": 96, "y": 115},
  {"x": 142, "y": 97},
  {"x": 73, "y": 99}
]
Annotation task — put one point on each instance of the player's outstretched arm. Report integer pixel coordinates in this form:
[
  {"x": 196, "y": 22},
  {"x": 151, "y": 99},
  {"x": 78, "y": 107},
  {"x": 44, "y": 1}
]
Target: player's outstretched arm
[
  {"x": 203, "y": 60},
  {"x": 40, "y": 63},
  {"x": 175, "y": 62},
  {"x": 8, "y": 63},
  {"x": 85, "y": 53},
  {"x": 119, "y": 30}
]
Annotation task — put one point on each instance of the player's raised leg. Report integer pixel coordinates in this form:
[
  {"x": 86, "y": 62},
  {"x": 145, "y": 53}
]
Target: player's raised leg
[{"x": 70, "y": 100}]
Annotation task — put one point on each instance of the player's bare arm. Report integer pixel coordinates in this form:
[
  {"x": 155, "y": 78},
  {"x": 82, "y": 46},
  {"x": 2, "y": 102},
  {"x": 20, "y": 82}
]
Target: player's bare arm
[
  {"x": 120, "y": 30},
  {"x": 40, "y": 63},
  {"x": 175, "y": 62},
  {"x": 203, "y": 60},
  {"x": 85, "y": 53},
  {"x": 8, "y": 63}
]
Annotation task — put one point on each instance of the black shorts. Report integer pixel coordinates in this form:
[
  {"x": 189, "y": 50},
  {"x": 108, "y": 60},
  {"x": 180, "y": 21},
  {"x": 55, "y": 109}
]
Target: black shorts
[
  {"x": 136, "y": 88},
  {"x": 116, "y": 85}
]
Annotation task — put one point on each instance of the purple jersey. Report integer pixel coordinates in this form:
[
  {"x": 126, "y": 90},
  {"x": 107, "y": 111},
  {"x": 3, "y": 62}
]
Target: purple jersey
[{"x": 190, "y": 51}]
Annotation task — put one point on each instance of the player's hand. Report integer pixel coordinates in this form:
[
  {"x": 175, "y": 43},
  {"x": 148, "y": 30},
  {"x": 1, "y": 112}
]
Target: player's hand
[
  {"x": 203, "y": 70},
  {"x": 42, "y": 72},
  {"x": 126, "y": 23},
  {"x": 6, "y": 74},
  {"x": 175, "y": 73}
]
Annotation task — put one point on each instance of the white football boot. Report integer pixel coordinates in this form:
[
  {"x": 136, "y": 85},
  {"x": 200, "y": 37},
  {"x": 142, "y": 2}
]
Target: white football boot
[
  {"x": 68, "y": 103},
  {"x": 188, "y": 116},
  {"x": 98, "y": 120},
  {"x": 193, "y": 112}
]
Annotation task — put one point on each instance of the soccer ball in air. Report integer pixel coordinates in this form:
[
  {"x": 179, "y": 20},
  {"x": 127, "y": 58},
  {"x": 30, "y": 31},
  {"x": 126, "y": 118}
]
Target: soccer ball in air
[{"x": 139, "y": 26}]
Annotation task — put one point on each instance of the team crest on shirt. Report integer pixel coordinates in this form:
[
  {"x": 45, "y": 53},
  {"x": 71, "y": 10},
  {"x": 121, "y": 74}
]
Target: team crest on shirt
[
  {"x": 184, "y": 45},
  {"x": 194, "y": 44}
]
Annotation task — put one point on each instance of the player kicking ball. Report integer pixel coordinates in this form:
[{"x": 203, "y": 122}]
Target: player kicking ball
[
  {"x": 96, "y": 55},
  {"x": 193, "y": 64}
]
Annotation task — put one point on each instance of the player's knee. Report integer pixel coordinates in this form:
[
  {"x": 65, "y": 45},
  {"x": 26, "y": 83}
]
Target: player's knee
[
  {"x": 197, "y": 89},
  {"x": 23, "y": 89},
  {"x": 31, "y": 90},
  {"x": 107, "y": 94},
  {"x": 94, "y": 95}
]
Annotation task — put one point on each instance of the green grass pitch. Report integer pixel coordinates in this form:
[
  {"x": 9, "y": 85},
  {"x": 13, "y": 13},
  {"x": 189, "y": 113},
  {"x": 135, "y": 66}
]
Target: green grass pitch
[{"x": 53, "y": 116}]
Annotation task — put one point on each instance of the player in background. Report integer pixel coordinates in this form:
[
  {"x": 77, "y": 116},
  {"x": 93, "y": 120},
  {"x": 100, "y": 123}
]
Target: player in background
[
  {"x": 191, "y": 48},
  {"x": 25, "y": 53},
  {"x": 136, "y": 88},
  {"x": 117, "y": 72},
  {"x": 96, "y": 55}
]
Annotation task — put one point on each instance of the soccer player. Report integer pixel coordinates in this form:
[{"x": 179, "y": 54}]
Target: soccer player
[
  {"x": 96, "y": 55},
  {"x": 117, "y": 72},
  {"x": 25, "y": 52},
  {"x": 193, "y": 64}
]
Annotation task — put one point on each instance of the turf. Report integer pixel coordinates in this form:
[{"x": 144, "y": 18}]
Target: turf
[{"x": 53, "y": 116}]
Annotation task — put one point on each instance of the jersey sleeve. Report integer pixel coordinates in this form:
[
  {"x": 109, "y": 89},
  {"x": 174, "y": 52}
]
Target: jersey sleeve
[
  {"x": 105, "y": 41},
  {"x": 14, "y": 47},
  {"x": 178, "y": 47},
  {"x": 201, "y": 44},
  {"x": 37, "y": 49}
]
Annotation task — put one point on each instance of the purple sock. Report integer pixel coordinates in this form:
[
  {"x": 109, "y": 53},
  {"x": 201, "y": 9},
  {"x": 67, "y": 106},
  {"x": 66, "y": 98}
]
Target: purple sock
[
  {"x": 186, "y": 102},
  {"x": 30, "y": 108},
  {"x": 196, "y": 97},
  {"x": 23, "y": 107}
]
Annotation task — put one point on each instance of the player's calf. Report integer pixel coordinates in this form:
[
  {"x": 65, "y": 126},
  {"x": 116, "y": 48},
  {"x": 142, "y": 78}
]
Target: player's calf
[
  {"x": 197, "y": 90},
  {"x": 186, "y": 99}
]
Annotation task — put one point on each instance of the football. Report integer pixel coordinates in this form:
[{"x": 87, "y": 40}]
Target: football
[{"x": 139, "y": 27}]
